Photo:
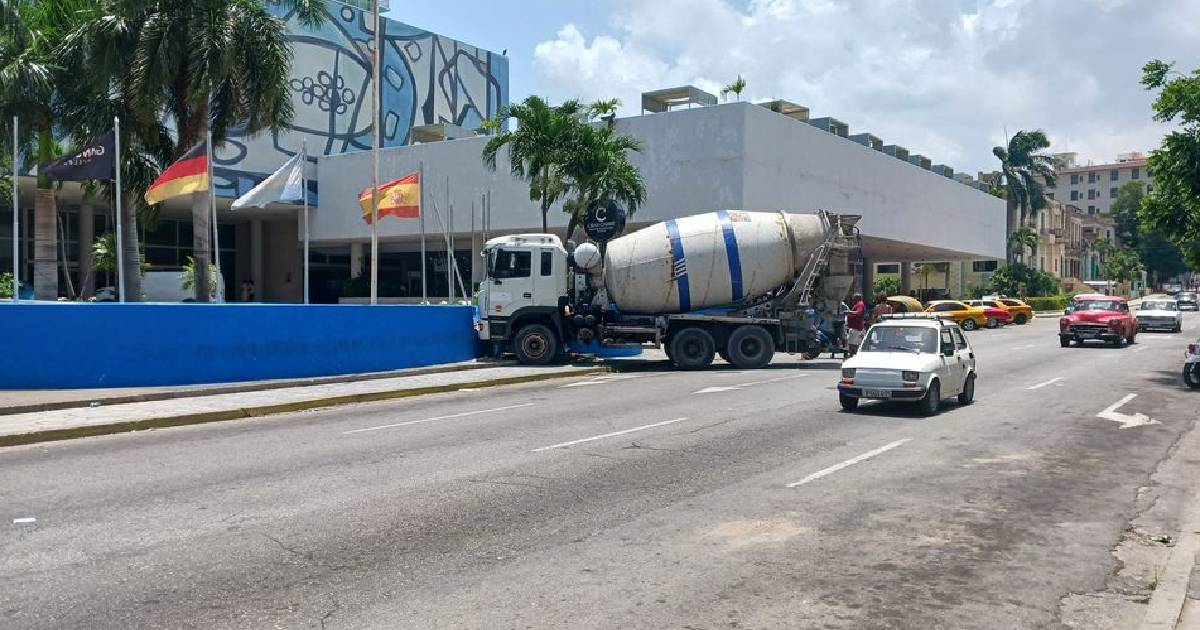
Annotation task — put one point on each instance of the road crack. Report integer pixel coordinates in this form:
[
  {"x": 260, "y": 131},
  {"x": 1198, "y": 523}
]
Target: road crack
[{"x": 306, "y": 555}]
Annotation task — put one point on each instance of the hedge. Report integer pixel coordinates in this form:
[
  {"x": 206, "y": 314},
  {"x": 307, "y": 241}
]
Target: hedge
[{"x": 1049, "y": 303}]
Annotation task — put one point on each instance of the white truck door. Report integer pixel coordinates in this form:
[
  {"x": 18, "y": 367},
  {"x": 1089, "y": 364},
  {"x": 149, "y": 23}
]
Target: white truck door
[{"x": 510, "y": 283}]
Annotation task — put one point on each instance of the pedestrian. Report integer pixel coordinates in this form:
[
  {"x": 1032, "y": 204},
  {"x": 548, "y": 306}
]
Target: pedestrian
[
  {"x": 882, "y": 307},
  {"x": 855, "y": 322},
  {"x": 247, "y": 291}
]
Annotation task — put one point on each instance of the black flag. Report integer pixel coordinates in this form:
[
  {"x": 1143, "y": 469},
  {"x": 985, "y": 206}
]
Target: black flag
[{"x": 94, "y": 161}]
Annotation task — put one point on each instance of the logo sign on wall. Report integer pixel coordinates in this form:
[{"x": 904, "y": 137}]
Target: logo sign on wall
[{"x": 605, "y": 220}]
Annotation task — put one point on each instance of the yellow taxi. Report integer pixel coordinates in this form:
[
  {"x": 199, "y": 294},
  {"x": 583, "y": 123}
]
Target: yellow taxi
[
  {"x": 1021, "y": 312},
  {"x": 905, "y": 304},
  {"x": 969, "y": 317}
]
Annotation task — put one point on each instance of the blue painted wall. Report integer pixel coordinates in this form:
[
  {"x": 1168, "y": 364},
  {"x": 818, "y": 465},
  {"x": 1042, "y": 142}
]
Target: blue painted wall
[{"x": 73, "y": 345}]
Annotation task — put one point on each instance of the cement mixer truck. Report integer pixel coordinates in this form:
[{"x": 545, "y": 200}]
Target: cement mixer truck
[{"x": 739, "y": 285}]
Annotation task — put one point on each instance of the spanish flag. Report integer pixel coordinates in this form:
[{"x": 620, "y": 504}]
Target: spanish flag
[
  {"x": 187, "y": 175},
  {"x": 399, "y": 198}
]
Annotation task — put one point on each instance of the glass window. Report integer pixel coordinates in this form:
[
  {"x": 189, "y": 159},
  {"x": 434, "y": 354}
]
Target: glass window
[
  {"x": 887, "y": 268},
  {"x": 1098, "y": 305},
  {"x": 1074, "y": 179},
  {"x": 1092, "y": 177},
  {"x": 547, "y": 263},
  {"x": 948, "y": 306},
  {"x": 1159, "y": 305},
  {"x": 1136, "y": 174},
  {"x": 959, "y": 340},
  {"x": 511, "y": 264},
  {"x": 946, "y": 338},
  {"x": 1074, "y": 195},
  {"x": 1114, "y": 174},
  {"x": 1112, "y": 193},
  {"x": 984, "y": 265},
  {"x": 900, "y": 339},
  {"x": 163, "y": 234}
]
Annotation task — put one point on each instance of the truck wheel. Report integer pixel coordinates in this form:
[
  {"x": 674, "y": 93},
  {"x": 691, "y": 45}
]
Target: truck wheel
[
  {"x": 932, "y": 400},
  {"x": 693, "y": 349},
  {"x": 750, "y": 347},
  {"x": 1020, "y": 319},
  {"x": 535, "y": 344},
  {"x": 969, "y": 324}
]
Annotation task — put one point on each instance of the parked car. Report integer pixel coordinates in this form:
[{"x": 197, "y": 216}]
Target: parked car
[
  {"x": 1187, "y": 301},
  {"x": 1021, "y": 312},
  {"x": 969, "y": 317},
  {"x": 906, "y": 304},
  {"x": 910, "y": 357},
  {"x": 1159, "y": 314},
  {"x": 1191, "y": 366},
  {"x": 996, "y": 315},
  {"x": 1098, "y": 317}
]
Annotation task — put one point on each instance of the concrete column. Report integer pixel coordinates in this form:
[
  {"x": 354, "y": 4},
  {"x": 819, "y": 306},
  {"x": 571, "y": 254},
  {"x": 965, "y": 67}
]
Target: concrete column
[
  {"x": 87, "y": 234},
  {"x": 256, "y": 258},
  {"x": 868, "y": 278},
  {"x": 45, "y": 246},
  {"x": 356, "y": 258},
  {"x": 905, "y": 277},
  {"x": 962, "y": 274}
]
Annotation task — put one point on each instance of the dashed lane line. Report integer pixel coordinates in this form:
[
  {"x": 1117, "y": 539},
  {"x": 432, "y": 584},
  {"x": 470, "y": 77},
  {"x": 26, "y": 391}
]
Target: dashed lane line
[
  {"x": 607, "y": 435},
  {"x": 849, "y": 462},
  {"x": 452, "y": 416},
  {"x": 1046, "y": 383}
]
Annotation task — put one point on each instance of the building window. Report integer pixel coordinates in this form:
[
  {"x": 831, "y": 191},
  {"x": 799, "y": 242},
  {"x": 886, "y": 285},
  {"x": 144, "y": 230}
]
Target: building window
[
  {"x": 1092, "y": 177},
  {"x": 1136, "y": 174},
  {"x": 1113, "y": 175},
  {"x": 1074, "y": 179},
  {"x": 984, "y": 266},
  {"x": 1050, "y": 195},
  {"x": 887, "y": 268},
  {"x": 1112, "y": 193},
  {"x": 1074, "y": 195},
  {"x": 1091, "y": 209},
  {"x": 1092, "y": 194}
]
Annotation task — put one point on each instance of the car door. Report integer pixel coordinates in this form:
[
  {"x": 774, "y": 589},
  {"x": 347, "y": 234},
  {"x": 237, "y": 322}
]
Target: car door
[
  {"x": 948, "y": 372},
  {"x": 964, "y": 357}
]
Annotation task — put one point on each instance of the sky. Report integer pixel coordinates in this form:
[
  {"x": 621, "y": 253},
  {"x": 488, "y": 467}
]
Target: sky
[{"x": 944, "y": 78}]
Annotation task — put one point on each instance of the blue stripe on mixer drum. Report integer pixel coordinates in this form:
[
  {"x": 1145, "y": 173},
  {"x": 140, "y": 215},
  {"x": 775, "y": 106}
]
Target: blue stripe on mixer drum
[
  {"x": 731, "y": 253},
  {"x": 679, "y": 267}
]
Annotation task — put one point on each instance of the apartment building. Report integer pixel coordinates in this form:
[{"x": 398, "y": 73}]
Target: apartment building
[{"x": 1093, "y": 187}]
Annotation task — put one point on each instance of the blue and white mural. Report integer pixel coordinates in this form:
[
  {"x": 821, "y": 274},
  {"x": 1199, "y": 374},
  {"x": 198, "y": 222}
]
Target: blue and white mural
[{"x": 427, "y": 79}]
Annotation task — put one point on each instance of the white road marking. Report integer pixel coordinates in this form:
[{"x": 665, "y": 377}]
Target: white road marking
[
  {"x": 849, "y": 462},
  {"x": 449, "y": 417},
  {"x": 1049, "y": 382},
  {"x": 1026, "y": 347},
  {"x": 607, "y": 435},
  {"x": 1126, "y": 420},
  {"x": 599, "y": 380},
  {"x": 729, "y": 388},
  {"x": 24, "y": 520}
]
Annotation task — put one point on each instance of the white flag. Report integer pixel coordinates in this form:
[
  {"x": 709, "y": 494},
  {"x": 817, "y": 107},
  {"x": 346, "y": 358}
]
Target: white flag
[{"x": 282, "y": 185}]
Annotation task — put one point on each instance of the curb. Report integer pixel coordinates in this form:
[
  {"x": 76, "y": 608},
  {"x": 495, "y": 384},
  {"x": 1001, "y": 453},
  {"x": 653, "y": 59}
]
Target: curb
[
  {"x": 53, "y": 435},
  {"x": 1166, "y": 603},
  {"x": 247, "y": 387}
]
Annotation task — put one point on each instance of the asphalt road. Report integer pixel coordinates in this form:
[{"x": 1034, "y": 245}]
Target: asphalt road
[{"x": 647, "y": 499}]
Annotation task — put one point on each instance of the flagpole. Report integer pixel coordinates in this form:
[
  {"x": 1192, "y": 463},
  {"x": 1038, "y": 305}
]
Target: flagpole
[
  {"x": 304, "y": 194},
  {"x": 120, "y": 245},
  {"x": 449, "y": 250},
  {"x": 212, "y": 201},
  {"x": 421, "y": 222},
  {"x": 376, "y": 60},
  {"x": 16, "y": 188}
]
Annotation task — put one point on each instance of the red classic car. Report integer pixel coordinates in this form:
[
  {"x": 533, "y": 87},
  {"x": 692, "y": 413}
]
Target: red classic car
[{"x": 1104, "y": 318}]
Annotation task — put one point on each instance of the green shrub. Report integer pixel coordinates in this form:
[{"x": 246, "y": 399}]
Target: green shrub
[
  {"x": 1048, "y": 303},
  {"x": 6, "y": 285},
  {"x": 889, "y": 285},
  {"x": 1018, "y": 279}
]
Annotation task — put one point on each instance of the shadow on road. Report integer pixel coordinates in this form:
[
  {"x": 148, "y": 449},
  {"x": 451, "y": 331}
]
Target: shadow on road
[{"x": 662, "y": 365}]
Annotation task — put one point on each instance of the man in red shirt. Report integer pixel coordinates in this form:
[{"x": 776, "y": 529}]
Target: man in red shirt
[{"x": 855, "y": 322}]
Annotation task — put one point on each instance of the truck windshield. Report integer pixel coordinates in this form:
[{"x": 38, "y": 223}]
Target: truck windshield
[
  {"x": 1097, "y": 305},
  {"x": 503, "y": 263},
  {"x": 900, "y": 339}
]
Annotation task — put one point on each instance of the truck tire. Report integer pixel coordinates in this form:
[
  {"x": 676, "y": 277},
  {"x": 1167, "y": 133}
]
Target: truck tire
[
  {"x": 750, "y": 347},
  {"x": 693, "y": 348},
  {"x": 535, "y": 344}
]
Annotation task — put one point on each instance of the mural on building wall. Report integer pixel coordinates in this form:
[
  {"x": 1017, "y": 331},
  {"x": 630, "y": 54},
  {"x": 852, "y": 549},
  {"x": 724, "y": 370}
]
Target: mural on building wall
[{"x": 426, "y": 79}]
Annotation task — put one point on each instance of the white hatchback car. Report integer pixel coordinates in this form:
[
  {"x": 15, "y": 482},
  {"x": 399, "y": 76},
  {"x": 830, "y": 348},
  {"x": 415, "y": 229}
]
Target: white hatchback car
[{"x": 910, "y": 357}]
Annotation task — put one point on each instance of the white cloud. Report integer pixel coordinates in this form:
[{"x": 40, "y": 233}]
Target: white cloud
[{"x": 942, "y": 81}]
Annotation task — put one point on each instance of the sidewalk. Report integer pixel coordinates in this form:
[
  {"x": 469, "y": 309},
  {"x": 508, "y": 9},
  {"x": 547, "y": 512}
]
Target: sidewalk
[{"x": 100, "y": 412}]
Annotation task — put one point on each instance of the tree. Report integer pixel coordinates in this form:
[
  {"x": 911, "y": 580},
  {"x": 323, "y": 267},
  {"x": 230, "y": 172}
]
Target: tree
[
  {"x": 605, "y": 110},
  {"x": 1027, "y": 174},
  {"x": 888, "y": 285},
  {"x": 32, "y": 32},
  {"x": 1173, "y": 207},
  {"x": 209, "y": 65},
  {"x": 596, "y": 167},
  {"x": 925, "y": 270},
  {"x": 536, "y": 148},
  {"x": 1161, "y": 258},
  {"x": 1120, "y": 264},
  {"x": 737, "y": 87},
  {"x": 1021, "y": 239},
  {"x": 1020, "y": 279}
]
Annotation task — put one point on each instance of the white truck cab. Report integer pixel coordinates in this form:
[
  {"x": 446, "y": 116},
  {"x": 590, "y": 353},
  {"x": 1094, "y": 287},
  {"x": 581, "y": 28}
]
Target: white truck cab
[{"x": 524, "y": 294}]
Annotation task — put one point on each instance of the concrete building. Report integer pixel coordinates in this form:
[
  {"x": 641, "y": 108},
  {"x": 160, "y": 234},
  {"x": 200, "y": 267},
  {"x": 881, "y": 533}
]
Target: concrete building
[
  {"x": 697, "y": 159},
  {"x": 434, "y": 87},
  {"x": 1093, "y": 187}
]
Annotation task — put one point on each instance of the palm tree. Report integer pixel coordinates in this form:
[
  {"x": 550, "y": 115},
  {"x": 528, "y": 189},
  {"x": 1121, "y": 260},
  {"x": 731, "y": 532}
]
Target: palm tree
[
  {"x": 536, "y": 148},
  {"x": 738, "y": 85},
  {"x": 605, "y": 110},
  {"x": 597, "y": 168},
  {"x": 1021, "y": 239},
  {"x": 1027, "y": 174},
  {"x": 209, "y": 65},
  {"x": 32, "y": 32}
]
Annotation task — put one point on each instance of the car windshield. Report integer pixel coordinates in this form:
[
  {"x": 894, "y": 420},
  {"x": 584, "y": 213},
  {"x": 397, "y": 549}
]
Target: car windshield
[
  {"x": 1160, "y": 305},
  {"x": 1191, "y": 297},
  {"x": 912, "y": 339},
  {"x": 1097, "y": 305}
]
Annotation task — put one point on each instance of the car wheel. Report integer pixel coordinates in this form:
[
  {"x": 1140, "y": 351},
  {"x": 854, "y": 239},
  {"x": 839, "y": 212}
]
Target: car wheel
[
  {"x": 1119, "y": 342},
  {"x": 1132, "y": 339},
  {"x": 1064, "y": 342},
  {"x": 968, "y": 393},
  {"x": 750, "y": 347},
  {"x": 1191, "y": 375},
  {"x": 932, "y": 400},
  {"x": 969, "y": 324},
  {"x": 693, "y": 349},
  {"x": 535, "y": 344},
  {"x": 1020, "y": 319},
  {"x": 992, "y": 323},
  {"x": 1178, "y": 328},
  {"x": 849, "y": 403}
]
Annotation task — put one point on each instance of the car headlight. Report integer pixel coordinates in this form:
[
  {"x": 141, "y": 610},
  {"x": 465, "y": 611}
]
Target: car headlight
[
  {"x": 848, "y": 376},
  {"x": 910, "y": 377}
]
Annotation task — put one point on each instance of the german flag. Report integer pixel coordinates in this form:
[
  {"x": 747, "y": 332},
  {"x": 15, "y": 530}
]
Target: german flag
[
  {"x": 187, "y": 175},
  {"x": 399, "y": 198}
]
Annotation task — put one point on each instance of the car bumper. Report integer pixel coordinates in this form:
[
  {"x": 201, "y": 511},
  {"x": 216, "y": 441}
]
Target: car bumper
[
  {"x": 1188, "y": 306},
  {"x": 907, "y": 393},
  {"x": 1082, "y": 336},
  {"x": 1158, "y": 325}
]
